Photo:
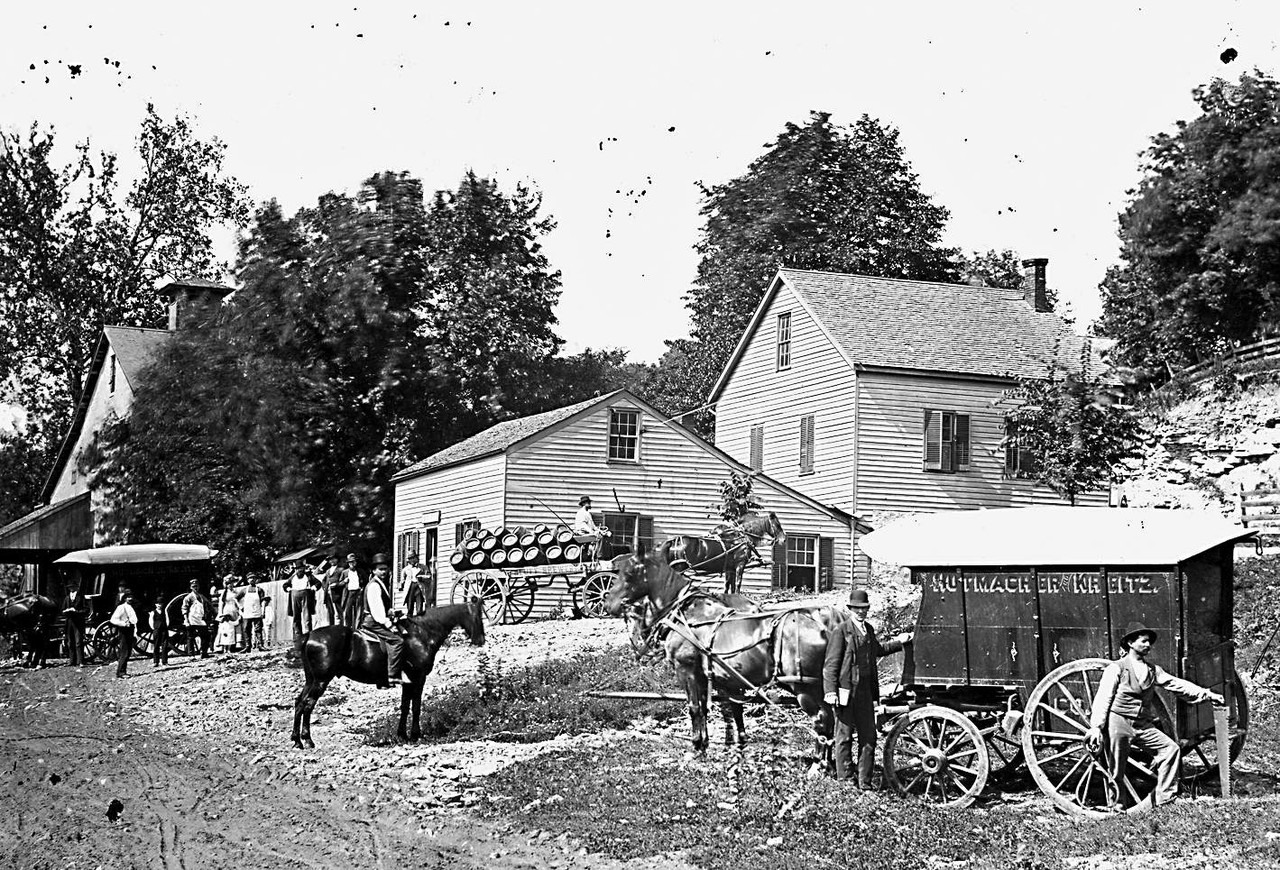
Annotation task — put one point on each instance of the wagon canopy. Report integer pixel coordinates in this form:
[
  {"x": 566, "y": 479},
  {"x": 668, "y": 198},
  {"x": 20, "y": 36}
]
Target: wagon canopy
[
  {"x": 137, "y": 554},
  {"x": 1051, "y": 536}
]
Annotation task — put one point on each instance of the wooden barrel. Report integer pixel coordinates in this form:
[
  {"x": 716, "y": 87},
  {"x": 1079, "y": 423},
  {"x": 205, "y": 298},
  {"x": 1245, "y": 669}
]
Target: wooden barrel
[
  {"x": 533, "y": 556},
  {"x": 563, "y": 535},
  {"x": 488, "y": 542},
  {"x": 471, "y": 544},
  {"x": 545, "y": 538},
  {"x": 498, "y": 557},
  {"x": 515, "y": 556},
  {"x": 572, "y": 552},
  {"x": 478, "y": 559},
  {"x": 528, "y": 539},
  {"x": 554, "y": 553},
  {"x": 540, "y": 528},
  {"x": 458, "y": 561},
  {"x": 509, "y": 540}
]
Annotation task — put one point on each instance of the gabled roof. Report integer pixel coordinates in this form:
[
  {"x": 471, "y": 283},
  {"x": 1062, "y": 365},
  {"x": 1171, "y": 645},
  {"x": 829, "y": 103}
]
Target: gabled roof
[
  {"x": 927, "y": 326},
  {"x": 499, "y": 438},
  {"x": 505, "y": 436},
  {"x": 135, "y": 348}
]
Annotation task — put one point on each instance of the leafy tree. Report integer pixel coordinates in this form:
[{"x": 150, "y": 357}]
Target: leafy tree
[
  {"x": 1200, "y": 239},
  {"x": 1074, "y": 425},
  {"x": 737, "y": 498},
  {"x": 77, "y": 252},
  {"x": 821, "y": 197}
]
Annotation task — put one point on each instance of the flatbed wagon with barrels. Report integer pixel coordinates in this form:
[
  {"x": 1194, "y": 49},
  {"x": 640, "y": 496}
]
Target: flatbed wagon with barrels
[
  {"x": 506, "y": 567},
  {"x": 1020, "y": 613}
]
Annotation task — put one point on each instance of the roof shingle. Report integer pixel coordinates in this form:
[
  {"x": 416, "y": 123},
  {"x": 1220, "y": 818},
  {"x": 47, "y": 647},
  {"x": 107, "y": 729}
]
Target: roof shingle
[{"x": 135, "y": 348}]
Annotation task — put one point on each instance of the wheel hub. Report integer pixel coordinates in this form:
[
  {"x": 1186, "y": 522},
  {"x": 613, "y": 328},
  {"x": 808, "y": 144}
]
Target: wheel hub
[{"x": 933, "y": 761}]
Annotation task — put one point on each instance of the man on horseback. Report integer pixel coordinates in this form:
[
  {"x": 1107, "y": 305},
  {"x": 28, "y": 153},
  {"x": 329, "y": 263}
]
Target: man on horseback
[{"x": 377, "y": 619}]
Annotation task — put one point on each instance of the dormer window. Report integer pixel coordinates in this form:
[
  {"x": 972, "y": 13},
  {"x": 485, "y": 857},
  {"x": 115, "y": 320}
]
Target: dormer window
[{"x": 784, "y": 341}]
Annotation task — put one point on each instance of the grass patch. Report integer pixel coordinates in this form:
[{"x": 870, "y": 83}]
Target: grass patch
[
  {"x": 640, "y": 798},
  {"x": 540, "y": 702}
]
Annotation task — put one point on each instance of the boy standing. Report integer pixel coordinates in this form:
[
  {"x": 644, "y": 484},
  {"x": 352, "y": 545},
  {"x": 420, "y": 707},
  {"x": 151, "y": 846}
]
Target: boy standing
[{"x": 159, "y": 634}]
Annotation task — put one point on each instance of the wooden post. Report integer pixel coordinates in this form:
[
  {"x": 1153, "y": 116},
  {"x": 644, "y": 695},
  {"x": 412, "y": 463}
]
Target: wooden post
[{"x": 1222, "y": 732}]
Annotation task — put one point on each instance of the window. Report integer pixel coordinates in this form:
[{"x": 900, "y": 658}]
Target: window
[
  {"x": 946, "y": 441},
  {"x": 784, "y": 341},
  {"x": 624, "y": 435},
  {"x": 112, "y": 362},
  {"x": 806, "y": 444},
  {"x": 410, "y": 542},
  {"x": 627, "y": 531},
  {"x": 804, "y": 562},
  {"x": 1019, "y": 460},
  {"x": 463, "y": 529},
  {"x": 757, "y": 448}
]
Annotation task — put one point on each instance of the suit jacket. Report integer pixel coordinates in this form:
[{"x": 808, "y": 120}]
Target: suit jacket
[{"x": 851, "y": 658}]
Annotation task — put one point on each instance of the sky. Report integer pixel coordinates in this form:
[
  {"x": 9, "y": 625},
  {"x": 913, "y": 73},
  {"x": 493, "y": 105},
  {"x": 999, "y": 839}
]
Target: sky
[{"x": 1025, "y": 120}]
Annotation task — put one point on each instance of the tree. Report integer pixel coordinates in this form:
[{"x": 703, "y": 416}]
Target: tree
[
  {"x": 737, "y": 498},
  {"x": 78, "y": 253},
  {"x": 1074, "y": 425},
  {"x": 1200, "y": 238},
  {"x": 821, "y": 197}
]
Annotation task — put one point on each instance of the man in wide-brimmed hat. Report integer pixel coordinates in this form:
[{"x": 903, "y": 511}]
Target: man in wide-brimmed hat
[
  {"x": 851, "y": 685},
  {"x": 377, "y": 617},
  {"x": 1122, "y": 709},
  {"x": 585, "y": 530}
]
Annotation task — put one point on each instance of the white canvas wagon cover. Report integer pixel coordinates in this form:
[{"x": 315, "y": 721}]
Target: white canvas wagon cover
[
  {"x": 1050, "y": 536},
  {"x": 134, "y": 554}
]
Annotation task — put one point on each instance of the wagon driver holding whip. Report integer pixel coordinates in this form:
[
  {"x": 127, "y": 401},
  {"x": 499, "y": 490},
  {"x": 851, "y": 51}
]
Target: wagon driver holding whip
[
  {"x": 585, "y": 530},
  {"x": 1121, "y": 709}
]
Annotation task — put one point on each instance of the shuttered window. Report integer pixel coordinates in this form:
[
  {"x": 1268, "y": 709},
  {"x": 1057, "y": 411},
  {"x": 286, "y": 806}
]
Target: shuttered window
[
  {"x": 626, "y": 532},
  {"x": 784, "y": 341},
  {"x": 1019, "y": 460},
  {"x": 410, "y": 542},
  {"x": 806, "y": 444},
  {"x": 464, "y": 528},
  {"x": 826, "y": 564},
  {"x": 802, "y": 562},
  {"x": 757, "y": 448},
  {"x": 624, "y": 435},
  {"x": 946, "y": 441}
]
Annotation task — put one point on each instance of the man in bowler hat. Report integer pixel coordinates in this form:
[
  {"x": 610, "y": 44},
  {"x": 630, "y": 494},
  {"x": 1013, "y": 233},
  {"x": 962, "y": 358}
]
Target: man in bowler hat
[
  {"x": 1122, "y": 708},
  {"x": 378, "y": 618},
  {"x": 851, "y": 684}
]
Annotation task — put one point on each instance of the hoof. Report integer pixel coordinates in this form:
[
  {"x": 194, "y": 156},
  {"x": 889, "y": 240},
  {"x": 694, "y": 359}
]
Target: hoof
[{"x": 308, "y": 744}]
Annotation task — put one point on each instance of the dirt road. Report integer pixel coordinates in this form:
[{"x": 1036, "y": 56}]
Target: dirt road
[{"x": 195, "y": 760}]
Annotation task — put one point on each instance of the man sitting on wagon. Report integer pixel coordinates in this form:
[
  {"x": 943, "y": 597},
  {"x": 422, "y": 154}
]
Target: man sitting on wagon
[
  {"x": 585, "y": 530},
  {"x": 1122, "y": 707}
]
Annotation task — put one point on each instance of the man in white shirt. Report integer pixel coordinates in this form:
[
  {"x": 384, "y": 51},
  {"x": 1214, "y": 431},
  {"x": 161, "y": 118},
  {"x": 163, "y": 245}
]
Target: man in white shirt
[
  {"x": 251, "y": 610},
  {"x": 125, "y": 619},
  {"x": 585, "y": 530},
  {"x": 197, "y": 615},
  {"x": 351, "y": 598},
  {"x": 377, "y": 618}
]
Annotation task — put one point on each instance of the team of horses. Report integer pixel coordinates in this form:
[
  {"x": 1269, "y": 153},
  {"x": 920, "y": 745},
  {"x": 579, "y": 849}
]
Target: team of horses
[{"x": 30, "y": 618}]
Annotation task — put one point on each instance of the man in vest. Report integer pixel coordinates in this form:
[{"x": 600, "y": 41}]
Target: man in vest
[
  {"x": 377, "y": 617},
  {"x": 352, "y": 596},
  {"x": 75, "y": 612},
  {"x": 1122, "y": 707},
  {"x": 851, "y": 684}
]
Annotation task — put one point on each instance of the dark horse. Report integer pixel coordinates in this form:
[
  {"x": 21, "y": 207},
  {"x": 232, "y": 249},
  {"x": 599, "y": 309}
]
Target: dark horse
[
  {"x": 338, "y": 651},
  {"x": 714, "y": 646},
  {"x": 728, "y": 551},
  {"x": 30, "y": 616}
]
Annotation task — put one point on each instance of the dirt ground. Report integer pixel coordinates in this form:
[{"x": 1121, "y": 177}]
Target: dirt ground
[{"x": 196, "y": 762}]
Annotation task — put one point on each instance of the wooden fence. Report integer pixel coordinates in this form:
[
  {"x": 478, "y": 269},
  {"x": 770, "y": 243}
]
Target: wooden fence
[{"x": 1267, "y": 348}]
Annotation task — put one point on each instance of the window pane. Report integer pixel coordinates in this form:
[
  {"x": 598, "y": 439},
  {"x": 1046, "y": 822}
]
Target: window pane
[
  {"x": 624, "y": 434},
  {"x": 784, "y": 340},
  {"x": 802, "y": 562},
  {"x": 622, "y": 528}
]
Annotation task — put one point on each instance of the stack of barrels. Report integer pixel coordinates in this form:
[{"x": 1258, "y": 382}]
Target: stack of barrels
[{"x": 516, "y": 548}]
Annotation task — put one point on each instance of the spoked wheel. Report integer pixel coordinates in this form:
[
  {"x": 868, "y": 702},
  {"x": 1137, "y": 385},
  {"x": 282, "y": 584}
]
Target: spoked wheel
[
  {"x": 1005, "y": 750},
  {"x": 1200, "y": 760},
  {"x": 588, "y": 599},
  {"x": 106, "y": 642},
  {"x": 520, "y": 593},
  {"x": 936, "y": 754},
  {"x": 1053, "y": 733},
  {"x": 143, "y": 643},
  {"x": 488, "y": 586}
]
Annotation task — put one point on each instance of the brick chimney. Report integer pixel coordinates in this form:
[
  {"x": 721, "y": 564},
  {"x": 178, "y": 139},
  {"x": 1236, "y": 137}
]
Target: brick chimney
[
  {"x": 1033, "y": 283},
  {"x": 192, "y": 301}
]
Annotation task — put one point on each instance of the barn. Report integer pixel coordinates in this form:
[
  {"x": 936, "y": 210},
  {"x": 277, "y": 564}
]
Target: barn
[{"x": 648, "y": 477}]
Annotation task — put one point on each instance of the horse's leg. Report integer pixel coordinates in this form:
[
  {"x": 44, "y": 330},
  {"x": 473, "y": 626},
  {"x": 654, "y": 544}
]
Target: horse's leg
[
  {"x": 405, "y": 702},
  {"x": 726, "y": 713},
  {"x": 694, "y": 685},
  {"x": 415, "y": 732},
  {"x": 310, "y": 704},
  {"x": 740, "y": 724},
  {"x": 820, "y": 715},
  {"x": 735, "y": 729},
  {"x": 299, "y": 705}
]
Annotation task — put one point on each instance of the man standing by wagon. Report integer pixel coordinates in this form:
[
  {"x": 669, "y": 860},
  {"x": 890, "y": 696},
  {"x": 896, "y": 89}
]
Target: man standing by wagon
[
  {"x": 851, "y": 685},
  {"x": 75, "y": 613},
  {"x": 197, "y": 615},
  {"x": 125, "y": 619},
  {"x": 1122, "y": 709},
  {"x": 377, "y": 617}
]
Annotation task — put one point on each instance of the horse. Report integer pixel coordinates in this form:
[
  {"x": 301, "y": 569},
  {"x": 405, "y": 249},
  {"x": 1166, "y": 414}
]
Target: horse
[
  {"x": 729, "y": 550},
  {"x": 338, "y": 651},
  {"x": 30, "y": 616},
  {"x": 714, "y": 646}
]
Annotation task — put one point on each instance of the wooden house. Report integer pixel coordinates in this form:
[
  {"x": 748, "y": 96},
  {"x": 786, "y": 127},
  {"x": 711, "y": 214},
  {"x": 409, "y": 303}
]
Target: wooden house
[
  {"x": 649, "y": 478},
  {"x": 883, "y": 396}
]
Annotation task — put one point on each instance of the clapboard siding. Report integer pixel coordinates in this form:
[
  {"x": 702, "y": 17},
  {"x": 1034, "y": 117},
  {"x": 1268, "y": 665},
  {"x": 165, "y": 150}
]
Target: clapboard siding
[
  {"x": 676, "y": 481},
  {"x": 459, "y": 493},
  {"x": 819, "y": 382},
  {"x": 104, "y": 404},
  {"x": 890, "y": 452}
]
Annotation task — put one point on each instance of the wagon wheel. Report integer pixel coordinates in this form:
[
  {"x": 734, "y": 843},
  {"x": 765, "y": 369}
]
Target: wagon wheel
[
  {"x": 520, "y": 593},
  {"x": 488, "y": 586},
  {"x": 936, "y": 754},
  {"x": 1005, "y": 750},
  {"x": 106, "y": 642},
  {"x": 143, "y": 643},
  {"x": 1200, "y": 760},
  {"x": 588, "y": 599},
  {"x": 1053, "y": 734}
]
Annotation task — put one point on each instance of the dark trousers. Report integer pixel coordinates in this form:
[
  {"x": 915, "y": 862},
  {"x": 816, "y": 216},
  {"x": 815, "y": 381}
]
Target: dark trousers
[
  {"x": 201, "y": 633},
  {"x": 351, "y": 607},
  {"x": 126, "y": 647},
  {"x": 160, "y": 645},
  {"x": 252, "y": 626},
  {"x": 337, "y": 598},
  {"x": 300, "y": 604},
  {"x": 75, "y": 641},
  {"x": 395, "y": 647},
  {"x": 858, "y": 716}
]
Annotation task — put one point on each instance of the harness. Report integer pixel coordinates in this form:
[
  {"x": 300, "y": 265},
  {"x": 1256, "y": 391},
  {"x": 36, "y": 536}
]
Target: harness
[{"x": 742, "y": 538}]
